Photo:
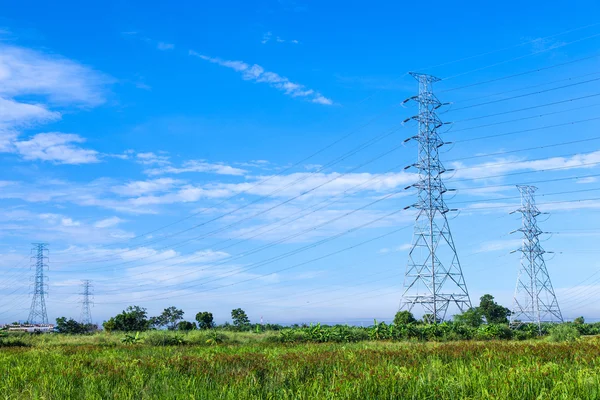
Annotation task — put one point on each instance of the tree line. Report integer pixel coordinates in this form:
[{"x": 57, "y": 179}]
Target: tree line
[{"x": 136, "y": 319}]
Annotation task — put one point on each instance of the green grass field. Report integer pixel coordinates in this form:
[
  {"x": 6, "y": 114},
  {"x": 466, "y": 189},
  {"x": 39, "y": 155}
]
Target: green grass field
[{"x": 251, "y": 366}]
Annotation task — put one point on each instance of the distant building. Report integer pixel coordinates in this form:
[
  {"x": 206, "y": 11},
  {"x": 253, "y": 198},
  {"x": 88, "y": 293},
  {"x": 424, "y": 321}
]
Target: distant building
[{"x": 43, "y": 328}]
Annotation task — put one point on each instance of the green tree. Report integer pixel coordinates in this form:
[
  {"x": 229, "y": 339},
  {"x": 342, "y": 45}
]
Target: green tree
[
  {"x": 240, "y": 319},
  {"x": 403, "y": 318},
  {"x": 579, "y": 321},
  {"x": 69, "y": 326},
  {"x": 132, "y": 319},
  {"x": 109, "y": 325},
  {"x": 493, "y": 312},
  {"x": 186, "y": 326},
  {"x": 169, "y": 318},
  {"x": 205, "y": 320},
  {"x": 471, "y": 317}
]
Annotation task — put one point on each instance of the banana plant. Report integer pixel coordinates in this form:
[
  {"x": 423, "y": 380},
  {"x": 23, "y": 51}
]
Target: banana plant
[
  {"x": 214, "y": 338},
  {"x": 131, "y": 339}
]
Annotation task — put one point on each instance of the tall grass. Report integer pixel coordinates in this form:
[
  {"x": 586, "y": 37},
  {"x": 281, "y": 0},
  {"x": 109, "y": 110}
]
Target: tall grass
[{"x": 242, "y": 367}]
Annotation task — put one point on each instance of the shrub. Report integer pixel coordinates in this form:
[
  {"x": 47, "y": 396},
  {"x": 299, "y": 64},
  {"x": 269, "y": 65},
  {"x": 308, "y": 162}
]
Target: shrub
[
  {"x": 13, "y": 342},
  {"x": 563, "y": 333},
  {"x": 162, "y": 338}
]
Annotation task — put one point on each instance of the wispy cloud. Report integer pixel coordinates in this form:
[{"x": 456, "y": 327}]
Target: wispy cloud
[
  {"x": 165, "y": 46},
  {"x": 198, "y": 166},
  {"x": 27, "y": 72},
  {"x": 258, "y": 74},
  {"x": 138, "y": 188},
  {"x": 160, "y": 45},
  {"x": 499, "y": 245},
  {"x": 60, "y": 148},
  {"x": 268, "y": 37},
  {"x": 152, "y": 159},
  {"x": 108, "y": 222},
  {"x": 14, "y": 113},
  {"x": 589, "y": 179},
  {"x": 499, "y": 167}
]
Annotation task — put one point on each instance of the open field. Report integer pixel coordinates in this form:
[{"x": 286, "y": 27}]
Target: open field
[{"x": 245, "y": 365}]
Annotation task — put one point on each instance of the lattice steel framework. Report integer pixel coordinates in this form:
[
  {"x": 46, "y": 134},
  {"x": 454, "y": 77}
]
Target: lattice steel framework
[
  {"x": 37, "y": 312},
  {"x": 86, "y": 295},
  {"x": 534, "y": 301},
  {"x": 434, "y": 278}
]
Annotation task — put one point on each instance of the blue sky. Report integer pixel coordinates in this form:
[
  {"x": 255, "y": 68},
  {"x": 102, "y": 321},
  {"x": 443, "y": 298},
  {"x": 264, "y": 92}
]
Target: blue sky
[{"x": 249, "y": 154}]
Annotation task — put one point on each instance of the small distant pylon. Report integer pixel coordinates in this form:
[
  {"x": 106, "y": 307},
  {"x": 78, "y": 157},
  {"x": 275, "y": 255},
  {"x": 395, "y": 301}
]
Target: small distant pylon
[
  {"x": 534, "y": 301},
  {"x": 37, "y": 312},
  {"x": 434, "y": 278},
  {"x": 86, "y": 294}
]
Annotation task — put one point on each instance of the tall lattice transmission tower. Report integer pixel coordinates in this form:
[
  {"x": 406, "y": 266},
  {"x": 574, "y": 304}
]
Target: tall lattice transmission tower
[
  {"x": 86, "y": 295},
  {"x": 37, "y": 313},
  {"x": 534, "y": 301},
  {"x": 434, "y": 278}
]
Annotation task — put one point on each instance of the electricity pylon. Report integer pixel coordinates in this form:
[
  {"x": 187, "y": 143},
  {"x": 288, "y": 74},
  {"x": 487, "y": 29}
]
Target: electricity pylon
[
  {"x": 37, "y": 312},
  {"x": 86, "y": 315},
  {"x": 534, "y": 301},
  {"x": 434, "y": 278}
]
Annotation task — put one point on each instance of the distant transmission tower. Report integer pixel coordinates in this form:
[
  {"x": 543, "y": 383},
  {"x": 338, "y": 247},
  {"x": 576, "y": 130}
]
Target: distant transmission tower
[
  {"x": 37, "y": 313},
  {"x": 534, "y": 301},
  {"x": 433, "y": 278},
  {"x": 86, "y": 315}
]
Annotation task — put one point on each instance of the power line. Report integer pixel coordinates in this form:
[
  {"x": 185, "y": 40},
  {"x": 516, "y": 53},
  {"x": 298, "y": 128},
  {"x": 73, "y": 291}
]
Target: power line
[
  {"x": 526, "y": 118},
  {"x": 292, "y": 252},
  {"x": 266, "y": 210},
  {"x": 523, "y": 95},
  {"x": 531, "y": 71},
  {"x": 300, "y": 179},
  {"x": 286, "y": 268},
  {"x": 524, "y": 56},
  {"x": 332, "y": 144}
]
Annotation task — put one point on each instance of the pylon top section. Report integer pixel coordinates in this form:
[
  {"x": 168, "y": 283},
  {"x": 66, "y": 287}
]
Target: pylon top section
[
  {"x": 527, "y": 189},
  {"x": 424, "y": 77}
]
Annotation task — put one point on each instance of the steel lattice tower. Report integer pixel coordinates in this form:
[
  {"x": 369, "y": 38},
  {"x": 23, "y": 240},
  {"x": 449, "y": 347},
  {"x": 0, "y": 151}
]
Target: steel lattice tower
[
  {"x": 534, "y": 299},
  {"x": 37, "y": 313},
  {"x": 86, "y": 315},
  {"x": 434, "y": 277}
]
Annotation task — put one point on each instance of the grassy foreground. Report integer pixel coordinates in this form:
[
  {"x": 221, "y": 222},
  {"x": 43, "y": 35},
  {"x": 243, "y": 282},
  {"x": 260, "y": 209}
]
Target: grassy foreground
[{"x": 101, "y": 367}]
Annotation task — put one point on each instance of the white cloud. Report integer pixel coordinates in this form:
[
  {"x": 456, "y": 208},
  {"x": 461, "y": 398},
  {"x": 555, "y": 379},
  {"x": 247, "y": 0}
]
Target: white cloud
[
  {"x": 57, "y": 147},
  {"x": 258, "y": 74},
  {"x": 503, "y": 166},
  {"x": 28, "y": 72},
  {"x": 108, "y": 222},
  {"x": 138, "y": 188},
  {"x": 151, "y": 158},
  {"x": 165, "y": 46},
  {"x": 53, "y": 80},
  {"x": 322, "y": 100},
  {"x": 268, "y": 36},
  {"x": 15, "y": 113},
  {"x": 499, "y": 245},
  {"x": 589, "y": 179},
  {"x": 402, "y": 247},
  {"x": 69, "y": 222},
  {"x": 57, "y": 228},
  {"x": 198, "y": 166},
  {"x": 284, "y": 186}
]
